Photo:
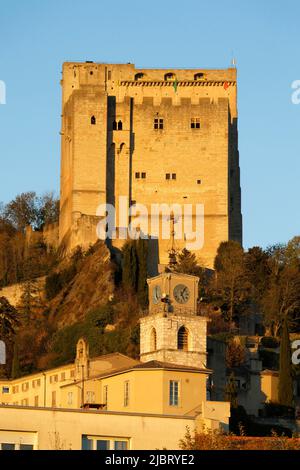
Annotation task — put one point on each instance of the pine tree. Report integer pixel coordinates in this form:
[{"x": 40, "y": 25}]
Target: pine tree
[
  {"x": 187, "y": 263},
  {"x": 285, "y": 385},
  {"x": 31, "y": 303}
]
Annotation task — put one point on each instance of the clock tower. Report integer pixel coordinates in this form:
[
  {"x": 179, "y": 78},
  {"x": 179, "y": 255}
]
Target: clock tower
[{"x": 172, "y": 331}]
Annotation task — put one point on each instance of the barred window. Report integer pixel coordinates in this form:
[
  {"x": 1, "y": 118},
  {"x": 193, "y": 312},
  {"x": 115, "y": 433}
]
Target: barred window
[
  {"x": 173, "y": 393},
  {"x": 158, "y": 123},
  {"x": 182, "y": 338}
]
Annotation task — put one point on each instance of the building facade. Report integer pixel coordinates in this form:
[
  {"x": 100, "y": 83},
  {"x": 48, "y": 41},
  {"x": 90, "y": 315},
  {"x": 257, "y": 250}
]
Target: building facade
[
  {"x": 129, "y": 398},
  {"x": 149, "y": 136}
]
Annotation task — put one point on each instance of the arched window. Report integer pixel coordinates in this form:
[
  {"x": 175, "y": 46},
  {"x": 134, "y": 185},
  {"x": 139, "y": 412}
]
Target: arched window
[
  {"x": 153, "y": 343},
  {"x": 114, "y": 126},
  {"x": 198, "y": 76},
  {"x": 169, "y": 76},
  {"x": 120, "y": 126},
  {"x": 182, "y": 338},
  {"x": 93, "y": 120},
  {"x": 139, "y": 76}
]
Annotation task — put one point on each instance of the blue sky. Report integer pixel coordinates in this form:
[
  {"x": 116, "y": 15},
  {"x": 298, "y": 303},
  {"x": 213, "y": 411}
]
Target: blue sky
[{"x": 36, "y": 36}]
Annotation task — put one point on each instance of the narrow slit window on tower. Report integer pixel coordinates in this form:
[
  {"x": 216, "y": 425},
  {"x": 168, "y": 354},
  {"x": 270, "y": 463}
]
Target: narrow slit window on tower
[
  {"x": 195, "y": 123},
  {"x": 114, "y": 125},
  {"x": 120, "y": 126},
  {"x": 153, "y": 340},
  {"x": 158, "y": 123},
  {"x": 182, "y": 338},
  {"x": 93, "y": 120}
]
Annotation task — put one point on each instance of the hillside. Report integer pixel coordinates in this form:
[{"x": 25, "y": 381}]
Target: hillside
[{"x": 91, "y": 287}]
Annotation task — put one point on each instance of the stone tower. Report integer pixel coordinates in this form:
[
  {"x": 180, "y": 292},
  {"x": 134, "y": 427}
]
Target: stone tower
[
  {"x": 172, "y": 331},
  {"x": 150, "y": 136}
]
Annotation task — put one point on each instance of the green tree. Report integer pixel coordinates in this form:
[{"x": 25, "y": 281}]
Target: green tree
[
  {"x": 282, "y": 297},
  {"x": 231, "y": 391},
  {"x": 142, "y": 288},
  {"x": 285, "y": 384},
  {"x": 130, "y": 265},
  {"x": 22, "y": 210},
  {"x": 235, "y": 354},
  {"x": 31, "y": 303},
  {"x": 187, "y": 263},
  {"x": 230, "y": 283},
  {"x": 257, "y": 271},
  {"x": 8, "y": 319}
]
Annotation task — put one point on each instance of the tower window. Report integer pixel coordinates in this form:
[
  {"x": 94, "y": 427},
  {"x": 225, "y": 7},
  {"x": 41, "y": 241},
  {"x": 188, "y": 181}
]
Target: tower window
[
  {"x": 198, "y": 76},
  {"x": 173, "y": 176},
  {"x": 195, "y": 123},
  {"x": 173, "y": 393},
  {"x": 120, "y": 126},
  {"x": 114, "y": 126},
  {"x": 137, "y": 175},
  {"x": 153, "y": 341},
  {"x": 158, "y": 123},
  {"x": 139, "y": 76},
  {"x": 168, "y": 176},
  {"x": 198, "y": 181},
  {"x": 109, "y": 75},
  {"x": 143, "y": 175},
  {"x": 182, "y": 338},
  {"x": 93, "y": 120},
  {"x": 169, "y": 76}
]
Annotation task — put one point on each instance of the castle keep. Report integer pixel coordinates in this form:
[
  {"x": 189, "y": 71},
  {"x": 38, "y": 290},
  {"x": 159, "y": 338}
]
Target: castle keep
[{"x": 152, "y": 136}]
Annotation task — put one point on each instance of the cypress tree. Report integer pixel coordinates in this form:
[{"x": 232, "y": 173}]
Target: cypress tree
[
  {"x": 231, "y": 391},
  {"x": 285, "y": 385},
  {"x": 130, "y": 268},
  {"x": 142, "y": 251}
]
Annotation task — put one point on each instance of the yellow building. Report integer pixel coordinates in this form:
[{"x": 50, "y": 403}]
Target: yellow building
[{"x": 169, "y": 383}]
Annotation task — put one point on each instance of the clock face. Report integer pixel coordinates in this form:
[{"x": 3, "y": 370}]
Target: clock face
[
  {"x": 181, "y": 293},
  {"x": 156, "y": 293}
]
